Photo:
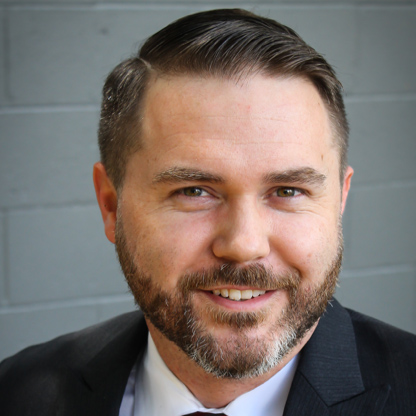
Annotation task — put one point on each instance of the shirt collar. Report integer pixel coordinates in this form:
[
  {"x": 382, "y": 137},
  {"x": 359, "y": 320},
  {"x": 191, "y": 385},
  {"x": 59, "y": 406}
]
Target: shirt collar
[{"x": 159, "y": 392}]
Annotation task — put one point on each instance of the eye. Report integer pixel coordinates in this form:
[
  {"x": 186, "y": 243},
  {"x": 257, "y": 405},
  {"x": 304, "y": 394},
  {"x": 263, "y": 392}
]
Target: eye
[
  {"x": 192, "y": 191},
  {"x": 285, "y": 192}
]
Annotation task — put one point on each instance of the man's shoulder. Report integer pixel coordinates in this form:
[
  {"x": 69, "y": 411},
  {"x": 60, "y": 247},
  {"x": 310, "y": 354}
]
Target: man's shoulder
[
  {"x": 380, "y": 336},
  {"x": 355, "y": 362},
  {"x": 49, "y": 368},
  {"x": 387, "y": 355},
  {"x": 77, "y": 346}
]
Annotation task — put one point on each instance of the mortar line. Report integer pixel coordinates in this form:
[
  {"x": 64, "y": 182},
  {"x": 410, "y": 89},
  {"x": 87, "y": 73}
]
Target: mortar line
[
  {"x": 6, "y": 256},
  {"x": 386, "y": 97},
  {"x": 403, "y": 183},
  {"x": 42, "y": 109},
  {"x": 56, "y": 205},
  {"x": 160, "y": 5},
  {"x": 67, "y": 303},
  {"x": 6, "y": 49},
  {"x": 378, "y": 270}
]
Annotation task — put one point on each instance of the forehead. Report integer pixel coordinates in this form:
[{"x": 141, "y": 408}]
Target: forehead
[{"x": 261, "y": 119}]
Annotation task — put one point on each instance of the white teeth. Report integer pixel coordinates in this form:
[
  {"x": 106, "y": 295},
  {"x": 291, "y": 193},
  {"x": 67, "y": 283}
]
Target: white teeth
[
  {"x": 224, "y": 293},
  {"x": 246, "y": 294},
  {"x": 258, "y": 293},
  {"x": 235, "y": 294}
]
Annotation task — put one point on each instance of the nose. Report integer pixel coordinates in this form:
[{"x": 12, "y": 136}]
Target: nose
[{"x": 242, "y": 235}]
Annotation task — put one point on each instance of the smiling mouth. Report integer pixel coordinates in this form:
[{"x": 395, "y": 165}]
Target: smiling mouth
[{"x": 238, "y": 295}]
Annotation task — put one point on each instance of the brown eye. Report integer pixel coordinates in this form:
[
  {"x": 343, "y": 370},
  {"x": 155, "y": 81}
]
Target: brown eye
[
  {"x": 192, "y": 191},
  {"x": 286, "y": 192}
]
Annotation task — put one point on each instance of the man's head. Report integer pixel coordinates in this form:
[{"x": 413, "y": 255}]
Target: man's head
[
  {"x": 225, "y": 44},
  {"x": 231, "y": 188}
]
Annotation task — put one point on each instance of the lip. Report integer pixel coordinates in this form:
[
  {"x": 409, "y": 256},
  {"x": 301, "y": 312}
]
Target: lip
[{"x": 242, "y": 306}]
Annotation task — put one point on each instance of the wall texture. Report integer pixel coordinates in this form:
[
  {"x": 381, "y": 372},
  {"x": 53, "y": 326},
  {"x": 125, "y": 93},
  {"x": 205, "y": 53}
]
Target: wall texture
[{"x": 58, "y": 273}]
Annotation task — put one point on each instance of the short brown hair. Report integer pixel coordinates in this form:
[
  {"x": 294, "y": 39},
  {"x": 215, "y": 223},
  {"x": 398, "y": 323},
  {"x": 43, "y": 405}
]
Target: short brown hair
[{"x": 228, "y": 43}]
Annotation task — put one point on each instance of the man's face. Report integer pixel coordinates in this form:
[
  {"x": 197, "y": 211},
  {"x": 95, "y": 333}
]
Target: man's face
[{"x": 236, "y": 189}]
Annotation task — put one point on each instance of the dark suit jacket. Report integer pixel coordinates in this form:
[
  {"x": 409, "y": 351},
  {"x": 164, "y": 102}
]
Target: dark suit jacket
[{"x": 352, "y": 365}]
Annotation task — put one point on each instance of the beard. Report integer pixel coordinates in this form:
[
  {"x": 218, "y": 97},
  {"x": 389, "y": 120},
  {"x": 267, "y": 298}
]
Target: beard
[{"x": 241, "y": 355}]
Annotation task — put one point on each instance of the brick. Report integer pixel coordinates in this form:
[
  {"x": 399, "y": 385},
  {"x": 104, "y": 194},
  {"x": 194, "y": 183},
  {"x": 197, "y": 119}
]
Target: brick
[
  {"x": 3, "y": 295},
  {"x": 380, "y": 226},
  {"x": 19, "y": 329},
  {"x": 331, "y": 31},
  {"x": 382, "y": 143},
  {"x": 63, "y": 55},
  {"x": 51, "y": 59},
  {"x": 47, "y": 158},
  {"x": 386, "y": 57},
  {"x": 390, "y": 297},
  {"x": 60, "y": 254},
  {"x": 51, "y": 49},
  {"x": 3, "y": 80}
]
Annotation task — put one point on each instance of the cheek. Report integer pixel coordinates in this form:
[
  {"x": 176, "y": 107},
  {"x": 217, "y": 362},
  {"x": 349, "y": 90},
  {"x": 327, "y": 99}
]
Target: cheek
[
  {"x": 167, "y": 246},
  {"x": 306, "y": 242}
]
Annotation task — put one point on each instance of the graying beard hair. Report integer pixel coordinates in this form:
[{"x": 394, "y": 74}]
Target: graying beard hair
[
  {"x": 176, "y": 320},
  {"x": 207, "y": 352},
  {"x": 238, "y": 321},
  {"x": 202, "y": 353}
]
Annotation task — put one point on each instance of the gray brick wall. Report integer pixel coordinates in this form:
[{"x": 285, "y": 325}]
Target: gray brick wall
[{"x": 58, "y": 273}]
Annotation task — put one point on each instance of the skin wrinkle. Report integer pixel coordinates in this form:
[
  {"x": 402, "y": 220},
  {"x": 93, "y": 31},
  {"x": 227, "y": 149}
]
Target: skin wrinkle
[{"x": 183, "y": 116}]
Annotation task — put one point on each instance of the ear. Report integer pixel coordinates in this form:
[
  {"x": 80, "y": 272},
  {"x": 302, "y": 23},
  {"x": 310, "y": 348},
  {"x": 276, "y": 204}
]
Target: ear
[
  {"x": 107, "y": 199},
  {"x": 346, "y": 186}
]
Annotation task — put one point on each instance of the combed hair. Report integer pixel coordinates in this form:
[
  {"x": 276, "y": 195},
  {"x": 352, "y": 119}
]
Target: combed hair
[{"x": 229, "y": 44}]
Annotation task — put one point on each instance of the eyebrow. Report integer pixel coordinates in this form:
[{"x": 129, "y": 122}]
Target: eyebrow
[
  {"x": 303, "y": 176},
  {"x": 176, "y": 174},
  {"x": 179, "y": 174}
]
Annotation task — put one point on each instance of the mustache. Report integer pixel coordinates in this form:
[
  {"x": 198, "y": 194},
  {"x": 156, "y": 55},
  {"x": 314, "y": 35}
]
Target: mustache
[{"x": 255, "y": 275}]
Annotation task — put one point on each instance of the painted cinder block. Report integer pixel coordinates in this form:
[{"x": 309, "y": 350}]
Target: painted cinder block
[
  {"x": 3, "y": 294},
  {"x": 331, "y": 31},
  {"x": 386, "y": 57},
  {"x": 61, "y": 56},
  {"x": 109, "y": 309},
  {"x": 382, "y": 141},
  {"x": 19, "y": 329},
  {"x": 61, "y": 253},
  {"x": 47, "y": 158},
  {"x": 380, "y": 226},
  {"x": 3, "y": 63},
  {"x": 388, "y": 295}
]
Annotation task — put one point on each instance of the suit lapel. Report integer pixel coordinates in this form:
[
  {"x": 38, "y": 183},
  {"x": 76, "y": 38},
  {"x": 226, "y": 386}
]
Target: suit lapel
[
  {"x": 107, "y": 373},
  {"x": 327, "y": 382},
  {"x": 328, "y": 379}
]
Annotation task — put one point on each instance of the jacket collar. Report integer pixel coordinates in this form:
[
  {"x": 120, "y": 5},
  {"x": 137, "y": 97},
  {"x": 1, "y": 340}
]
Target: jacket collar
[
  {"x": 106, "y": 374},
  {"x": 328, "y": 380}
]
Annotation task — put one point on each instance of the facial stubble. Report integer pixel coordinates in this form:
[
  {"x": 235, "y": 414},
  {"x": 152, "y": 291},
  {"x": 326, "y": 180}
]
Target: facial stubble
[{"x": 241, "y": 355}]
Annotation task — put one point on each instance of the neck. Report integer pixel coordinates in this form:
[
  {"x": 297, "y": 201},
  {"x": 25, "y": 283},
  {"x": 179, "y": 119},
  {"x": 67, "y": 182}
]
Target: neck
[{"x": 211, "y": 391}]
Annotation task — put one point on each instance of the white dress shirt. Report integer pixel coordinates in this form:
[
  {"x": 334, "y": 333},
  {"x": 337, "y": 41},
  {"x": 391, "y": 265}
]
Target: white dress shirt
[{"x": 153, "y": 390}]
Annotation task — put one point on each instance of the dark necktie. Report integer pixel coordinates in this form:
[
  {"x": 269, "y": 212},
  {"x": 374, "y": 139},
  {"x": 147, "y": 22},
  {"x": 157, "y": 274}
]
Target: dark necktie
[{"x": 208, "y": 414}]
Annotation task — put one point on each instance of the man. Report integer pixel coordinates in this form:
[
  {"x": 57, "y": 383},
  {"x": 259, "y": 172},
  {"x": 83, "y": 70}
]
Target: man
[{"x": 222, "y": 182}]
